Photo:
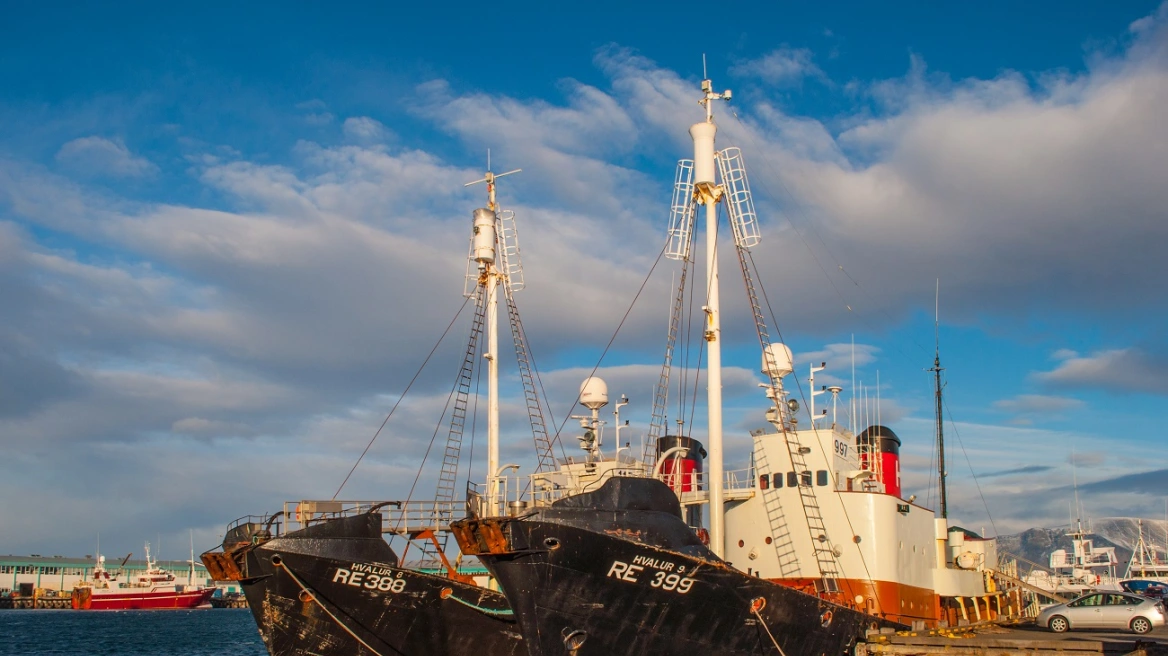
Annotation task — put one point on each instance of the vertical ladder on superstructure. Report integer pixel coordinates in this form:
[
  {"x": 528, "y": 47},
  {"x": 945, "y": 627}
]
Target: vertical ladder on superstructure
[
  {"x": 824, "y": 551},
  {"x": 448, "y": 476}
]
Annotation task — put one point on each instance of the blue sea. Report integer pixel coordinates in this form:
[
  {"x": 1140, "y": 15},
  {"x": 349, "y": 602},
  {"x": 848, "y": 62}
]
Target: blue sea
[{"x": 205, "y": 632}]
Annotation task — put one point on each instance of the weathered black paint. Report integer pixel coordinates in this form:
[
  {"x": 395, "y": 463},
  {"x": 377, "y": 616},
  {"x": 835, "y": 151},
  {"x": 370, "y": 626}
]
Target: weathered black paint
[
  {"x": 558, "y": 573},
  {"x": 417, "y": 621}
]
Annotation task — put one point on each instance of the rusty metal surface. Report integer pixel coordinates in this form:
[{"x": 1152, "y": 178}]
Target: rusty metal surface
[
  {"x": 482, "y": 536},
  {"x": 221, "y": 566}
]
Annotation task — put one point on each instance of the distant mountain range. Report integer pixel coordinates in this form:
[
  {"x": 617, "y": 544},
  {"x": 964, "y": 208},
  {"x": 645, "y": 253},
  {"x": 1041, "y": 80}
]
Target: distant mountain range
[{"x": 1036, "y": 544}]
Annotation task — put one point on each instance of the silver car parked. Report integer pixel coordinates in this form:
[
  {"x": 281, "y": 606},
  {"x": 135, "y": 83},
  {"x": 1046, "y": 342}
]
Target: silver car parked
[{"x": 1104, "y": 610}]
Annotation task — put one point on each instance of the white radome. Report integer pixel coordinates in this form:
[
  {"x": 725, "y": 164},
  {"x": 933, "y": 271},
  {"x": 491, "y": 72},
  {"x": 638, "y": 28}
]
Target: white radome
[
  {"x": 593, "y": 393},
  {"x": 781, "y": 361}
]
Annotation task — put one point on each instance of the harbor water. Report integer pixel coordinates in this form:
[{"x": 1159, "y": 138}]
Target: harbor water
[{"x": 205, "y": 632}]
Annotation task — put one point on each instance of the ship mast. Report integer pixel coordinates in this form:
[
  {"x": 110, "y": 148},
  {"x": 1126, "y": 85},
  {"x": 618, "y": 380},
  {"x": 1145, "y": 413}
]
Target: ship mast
[
  {"x": 484, "y": 244},
  {"x": 936, "y": 370},
  {"x": 707, "y": 192}
]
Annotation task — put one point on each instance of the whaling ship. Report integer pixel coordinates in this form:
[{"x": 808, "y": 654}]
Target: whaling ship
[
  {"x": 334, "y": 585},
  {"x": 809, "y": 548},
  {"x": 606, "y": 553}
]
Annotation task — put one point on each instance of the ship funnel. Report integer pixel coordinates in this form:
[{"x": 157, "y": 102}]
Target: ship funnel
[{"x": 879, "y": 450}]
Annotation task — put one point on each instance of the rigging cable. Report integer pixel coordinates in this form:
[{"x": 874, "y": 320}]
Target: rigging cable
[
  {"x": 811, "y": 226},
  {"x": 434, "y": 436},
  {"x": 970, "y": 464},
  {"x": 814, "y": 429},
  {"x": 399, "y": 399},
  {"x": 535, "y": 372},
  {"x": 616, "y": 332},
  {"x": 474, "y": 421}
]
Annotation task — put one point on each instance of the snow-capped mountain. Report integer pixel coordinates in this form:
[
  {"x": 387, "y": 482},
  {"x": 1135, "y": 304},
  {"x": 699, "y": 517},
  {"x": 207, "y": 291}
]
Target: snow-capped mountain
[{"x": 1123, "y": 533}]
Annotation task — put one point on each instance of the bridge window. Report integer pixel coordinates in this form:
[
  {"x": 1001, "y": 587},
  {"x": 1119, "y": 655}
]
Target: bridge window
[
  {"x": 821, "y": 477},
  {"x": 792, "y": 479},
  {"x": 764, "y": 481},
  {"x": 778, "y": 480},
  {"x": 805, "y": 479}
]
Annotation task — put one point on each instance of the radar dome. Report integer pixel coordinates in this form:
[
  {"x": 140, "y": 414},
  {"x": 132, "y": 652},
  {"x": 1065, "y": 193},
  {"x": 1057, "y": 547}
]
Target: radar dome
[
  {"x": 593, "y": 393},
  {"x": 778, "y": 361}
]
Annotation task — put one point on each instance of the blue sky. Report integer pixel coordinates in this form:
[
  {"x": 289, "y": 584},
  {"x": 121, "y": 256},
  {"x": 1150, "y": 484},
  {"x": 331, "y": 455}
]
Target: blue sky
[{"x": 227, "y": 237}]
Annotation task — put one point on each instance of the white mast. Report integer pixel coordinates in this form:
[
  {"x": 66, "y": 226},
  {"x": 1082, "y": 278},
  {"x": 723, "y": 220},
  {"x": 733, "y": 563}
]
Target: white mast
[
  {"x": 707, "y": 192},
  {"x": 484, "y": 247}
]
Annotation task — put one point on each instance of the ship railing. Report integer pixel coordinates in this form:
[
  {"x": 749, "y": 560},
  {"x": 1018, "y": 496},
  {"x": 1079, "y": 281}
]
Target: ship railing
[
  {"x": 398, "y": 517},
  {"x": 516, "y": 495},
  {"x": 248, "y": 519},
  {"x": 740, "y": 479}
]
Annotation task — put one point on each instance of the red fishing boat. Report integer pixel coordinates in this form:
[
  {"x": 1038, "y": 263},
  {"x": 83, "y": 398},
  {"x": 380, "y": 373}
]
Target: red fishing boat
[{"x": 154, "y": 588}]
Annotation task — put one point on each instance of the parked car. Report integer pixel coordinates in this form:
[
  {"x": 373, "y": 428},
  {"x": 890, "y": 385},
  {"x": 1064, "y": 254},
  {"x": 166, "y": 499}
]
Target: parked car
[
  {"x": 1149, "y": 589},
  {"x": 1104, "y": 610}
]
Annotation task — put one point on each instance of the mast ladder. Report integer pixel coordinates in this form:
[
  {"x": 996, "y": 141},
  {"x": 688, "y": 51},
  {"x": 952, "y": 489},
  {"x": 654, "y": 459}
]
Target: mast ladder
[
  {"x": 509, "y": 240},
  {"x": 657, "y": 424},
  {"x": 448, "y": 476},
  {"x": 824, "y": 552},
  {"x": 546, "y": 460}
]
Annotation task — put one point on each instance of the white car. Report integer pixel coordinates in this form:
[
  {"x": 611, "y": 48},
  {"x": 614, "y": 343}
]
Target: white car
[{"x": 1104, "y": 610}]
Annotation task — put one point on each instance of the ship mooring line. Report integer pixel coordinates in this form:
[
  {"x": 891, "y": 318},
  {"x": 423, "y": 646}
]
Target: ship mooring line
[
  {"x": 312, "y": 595},
  {"x": 767, "y": 629},
  {"x": 487, "y": 611},
  {"x": 403, "y": 395}
]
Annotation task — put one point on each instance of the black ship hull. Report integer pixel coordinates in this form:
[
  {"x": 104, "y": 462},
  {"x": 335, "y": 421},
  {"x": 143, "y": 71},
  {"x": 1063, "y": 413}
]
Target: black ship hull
[
  {"x": 335, "y": 588},
  {"x": 615, "y": 577}
]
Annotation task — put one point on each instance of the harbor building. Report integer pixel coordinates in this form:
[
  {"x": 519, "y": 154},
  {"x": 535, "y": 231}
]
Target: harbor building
[{"x": 23, "y": 574}]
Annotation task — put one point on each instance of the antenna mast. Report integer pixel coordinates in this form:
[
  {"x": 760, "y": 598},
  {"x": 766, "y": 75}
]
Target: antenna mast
[{"x": 936, "y": 370}]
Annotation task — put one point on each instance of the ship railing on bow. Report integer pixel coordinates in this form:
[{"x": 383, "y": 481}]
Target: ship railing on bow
[{"x": 397, "y": 517}]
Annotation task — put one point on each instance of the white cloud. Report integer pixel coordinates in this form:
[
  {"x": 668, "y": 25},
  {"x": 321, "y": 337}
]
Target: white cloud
[
  {"x": 1037, "y": 404},
  {"x": 102, "y": 157},
  {"x": 289, "y": 303},
  {"x": 839, "y": 355},
  {"x": 784, "y": 66},
  {"x": 363, "y": 129},
  {"x": 1128, "y": 370}
]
